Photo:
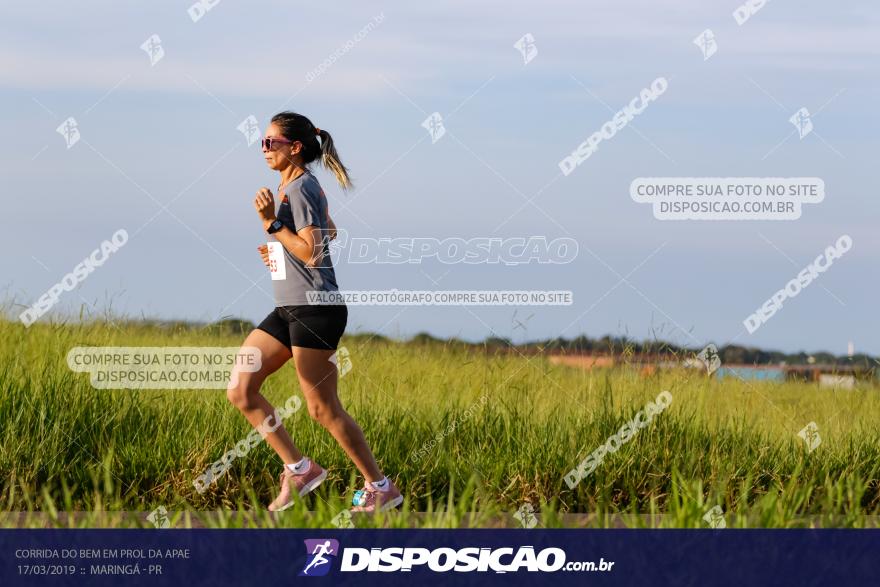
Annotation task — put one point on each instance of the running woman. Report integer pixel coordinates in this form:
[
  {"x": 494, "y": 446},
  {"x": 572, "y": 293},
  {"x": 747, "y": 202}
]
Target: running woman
[{"x": 308, "y": 333}]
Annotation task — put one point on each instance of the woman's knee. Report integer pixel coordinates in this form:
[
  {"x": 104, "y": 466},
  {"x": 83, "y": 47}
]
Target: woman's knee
[
  {"x": 243, "y": 394},
  {"x": 323, "y": 412}
]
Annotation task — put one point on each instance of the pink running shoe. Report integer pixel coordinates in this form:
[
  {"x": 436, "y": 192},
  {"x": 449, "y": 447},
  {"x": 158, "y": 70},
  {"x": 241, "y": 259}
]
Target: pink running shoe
[
  {"x": 368, "y": 499},
  {"x": 300, "y": 484}
]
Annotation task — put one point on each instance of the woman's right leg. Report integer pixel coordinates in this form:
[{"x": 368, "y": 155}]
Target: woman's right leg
[
  {"x": 318, "y": 379},
  {"x": 253, "y": 405}
]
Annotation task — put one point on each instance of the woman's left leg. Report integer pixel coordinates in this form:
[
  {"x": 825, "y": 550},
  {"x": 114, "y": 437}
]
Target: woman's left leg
[{"x": 318, "y": 378}]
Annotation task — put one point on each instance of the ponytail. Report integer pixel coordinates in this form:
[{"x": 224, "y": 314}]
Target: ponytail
[{"x": 330, "y": 160}]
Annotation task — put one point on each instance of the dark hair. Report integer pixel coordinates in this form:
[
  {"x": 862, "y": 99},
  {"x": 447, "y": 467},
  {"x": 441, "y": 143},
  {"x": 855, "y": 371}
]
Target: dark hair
[{"x": 296, "y": 127}]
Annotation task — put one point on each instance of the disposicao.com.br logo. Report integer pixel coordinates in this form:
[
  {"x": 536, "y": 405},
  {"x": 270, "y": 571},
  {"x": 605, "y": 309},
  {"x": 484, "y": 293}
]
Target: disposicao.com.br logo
[{"x": 442, "y": 560}]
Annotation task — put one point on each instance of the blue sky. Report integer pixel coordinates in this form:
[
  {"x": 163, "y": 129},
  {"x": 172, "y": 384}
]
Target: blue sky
[{"x": 167, "y": 133}]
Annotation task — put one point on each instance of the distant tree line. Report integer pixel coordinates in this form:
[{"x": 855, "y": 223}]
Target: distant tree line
[
  {"x": 730, "y": 354},
  {"x": 616, "y": 346}
]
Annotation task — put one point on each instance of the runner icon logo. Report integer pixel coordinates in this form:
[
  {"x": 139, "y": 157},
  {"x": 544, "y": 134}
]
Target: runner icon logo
[{"x": 320, "y": 553}]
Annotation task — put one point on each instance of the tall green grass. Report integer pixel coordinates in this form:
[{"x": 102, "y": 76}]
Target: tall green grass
[{"x": 506, "y": 428}]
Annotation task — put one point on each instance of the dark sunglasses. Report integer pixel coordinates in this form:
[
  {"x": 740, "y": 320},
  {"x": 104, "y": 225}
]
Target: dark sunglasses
[{"x": 270, "y": 143}]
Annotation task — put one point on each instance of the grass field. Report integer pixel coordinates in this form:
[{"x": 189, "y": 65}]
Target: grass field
[{"x": 505, "y": 430}]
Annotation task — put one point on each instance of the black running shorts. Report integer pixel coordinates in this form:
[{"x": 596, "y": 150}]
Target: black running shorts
[{"x": 312, "y": 327}]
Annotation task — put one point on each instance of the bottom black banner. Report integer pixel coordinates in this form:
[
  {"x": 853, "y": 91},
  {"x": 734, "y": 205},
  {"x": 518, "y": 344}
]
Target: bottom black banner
[{"x": 392, "y": 557}]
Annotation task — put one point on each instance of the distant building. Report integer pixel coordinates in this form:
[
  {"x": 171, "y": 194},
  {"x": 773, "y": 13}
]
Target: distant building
[
  {"x": 837, "y": 376},
  {"x": 752, "y": 372}
]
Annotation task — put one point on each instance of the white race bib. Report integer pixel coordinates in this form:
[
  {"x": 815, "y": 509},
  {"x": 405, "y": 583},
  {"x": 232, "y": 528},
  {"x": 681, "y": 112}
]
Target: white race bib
[{"x": 276, "y": 261}]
